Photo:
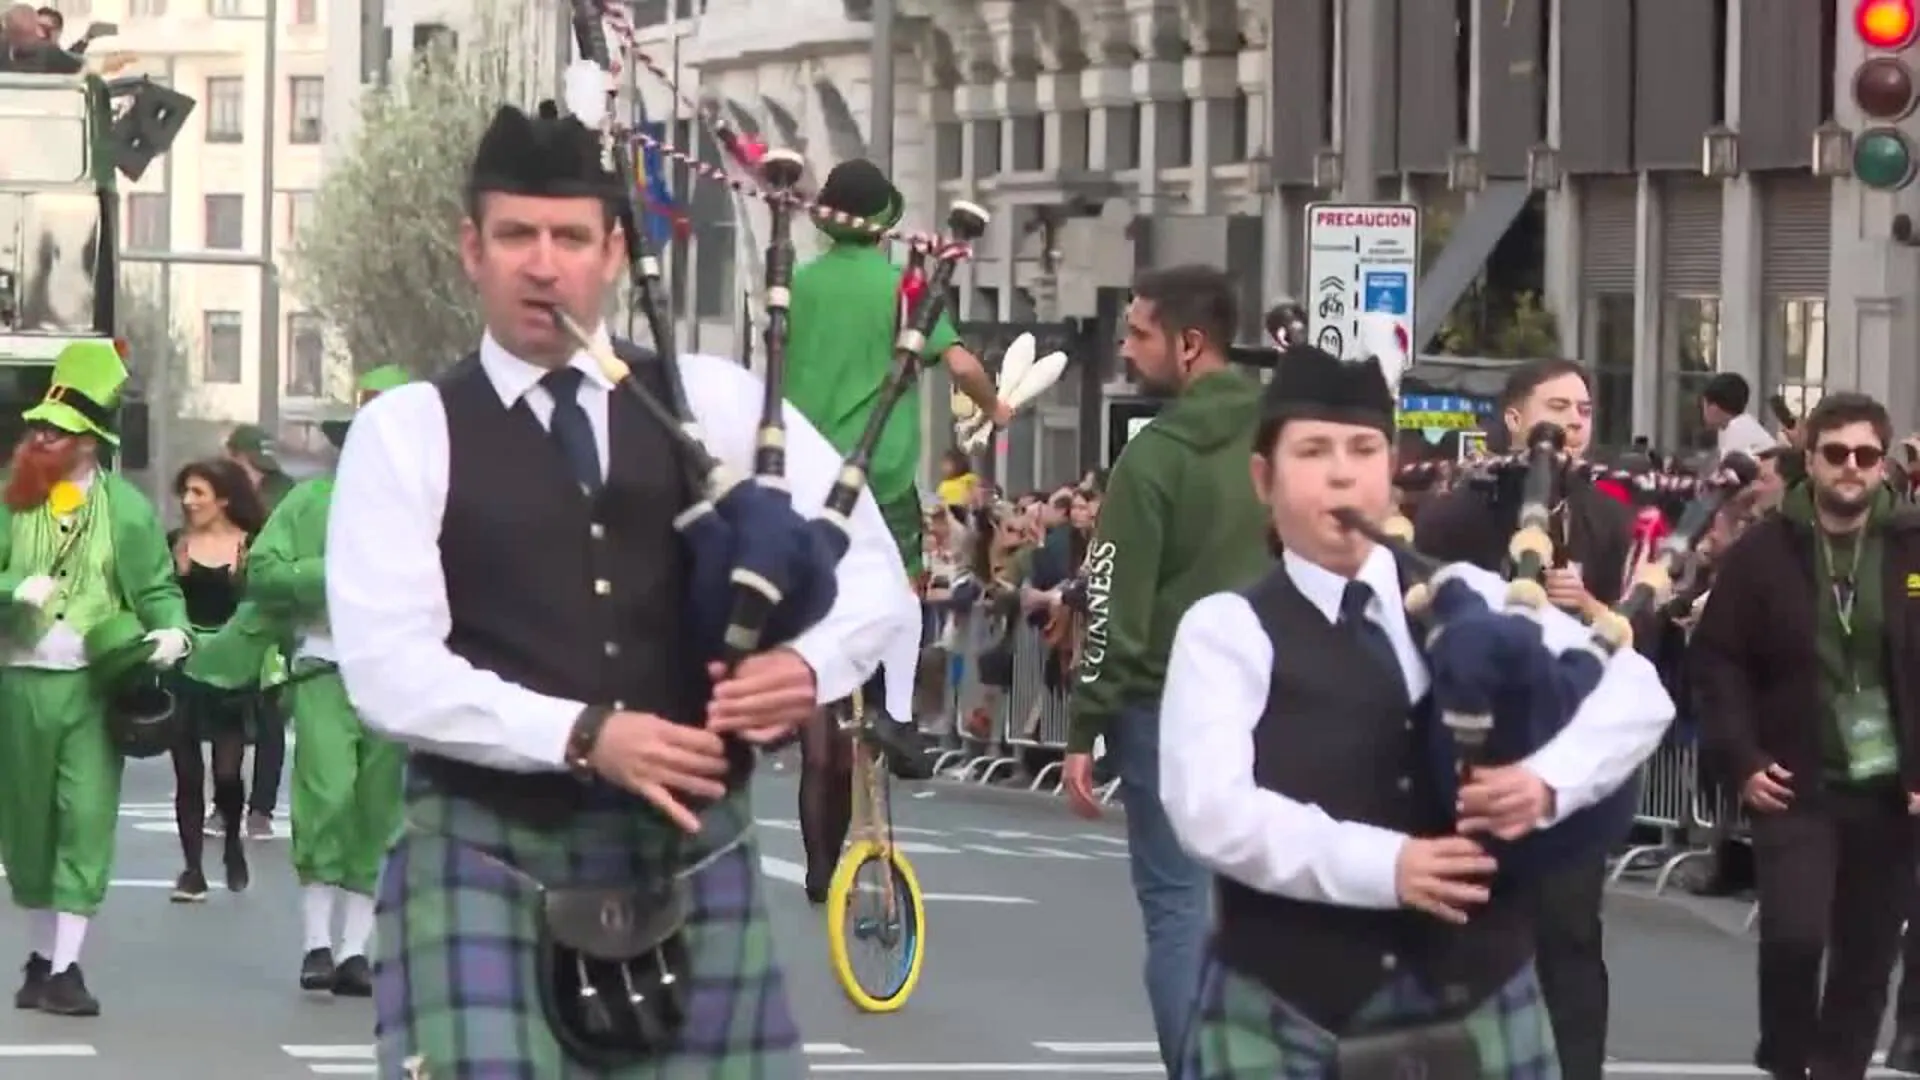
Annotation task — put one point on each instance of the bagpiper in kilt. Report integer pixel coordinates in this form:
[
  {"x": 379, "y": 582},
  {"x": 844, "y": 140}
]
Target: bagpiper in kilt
[
  {"x": 1362, "y": 932},
  {"x": 575, "y": 894}
]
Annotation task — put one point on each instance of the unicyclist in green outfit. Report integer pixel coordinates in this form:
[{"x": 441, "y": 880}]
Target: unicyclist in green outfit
[
  {"x": 346, "y": 781},
  {"x": 84, "y": 572}
]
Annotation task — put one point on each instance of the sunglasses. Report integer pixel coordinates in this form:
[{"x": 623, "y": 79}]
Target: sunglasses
[{"x": 1838, "y": 454}]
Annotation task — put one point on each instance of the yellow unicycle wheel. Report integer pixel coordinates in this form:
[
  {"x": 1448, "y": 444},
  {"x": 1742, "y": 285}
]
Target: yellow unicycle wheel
[{"x": 876, "y": 927}]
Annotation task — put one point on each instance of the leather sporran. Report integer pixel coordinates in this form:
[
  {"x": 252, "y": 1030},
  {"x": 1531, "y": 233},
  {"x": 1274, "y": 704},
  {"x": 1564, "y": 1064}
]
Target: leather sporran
[
  {"x": 614, "y": 969},
  {"x": 1435, "y": 1050}
]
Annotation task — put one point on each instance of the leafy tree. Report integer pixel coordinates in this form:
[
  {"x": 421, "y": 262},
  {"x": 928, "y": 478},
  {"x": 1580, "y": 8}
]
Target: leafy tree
[
  {"x": 1489, "y": 321},
  {"x": 380, "y": 258}
]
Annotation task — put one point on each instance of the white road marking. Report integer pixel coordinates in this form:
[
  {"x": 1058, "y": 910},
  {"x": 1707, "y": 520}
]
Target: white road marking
[
  {"x": 341, "y": 1051},
  {"x": 793, "y": 873},
  {"x": 47, "y": 1050},
  {"x": 1688, "y": 1069},
  {"x": 992, "y": 1068},
  {"x": 1099, "y": 1047}
]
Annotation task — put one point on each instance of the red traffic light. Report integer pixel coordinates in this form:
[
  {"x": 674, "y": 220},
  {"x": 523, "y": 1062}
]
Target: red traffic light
[{"x": 1885, "y": 24}]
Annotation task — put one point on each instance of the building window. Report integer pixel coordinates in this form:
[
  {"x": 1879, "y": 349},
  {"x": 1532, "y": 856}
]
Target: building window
[
  {"x": 226, "y": 9},
  {"x": 146, "y": 9},
  {"x": 225, "y": 226},
  {"x": 226, "y": 110},
  {"x": 1691, "y": 329},
  {"x": 306, "y": 355},
  {"x": 299, "y": 213},
  {"x": 1796, "y": 350},
  {"x": 306, "y": 97},
  {"x": 947, "y": 150},
  {"x": 149, "y": 222},
  {"x": 1610, "y": 355},
  {"x": 220, "y": 364},
  {"x": 306, "y": 12}
]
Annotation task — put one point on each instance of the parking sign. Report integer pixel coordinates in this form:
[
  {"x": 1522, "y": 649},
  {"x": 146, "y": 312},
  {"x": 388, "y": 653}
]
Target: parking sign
[{"x": 1361, "y": 257}]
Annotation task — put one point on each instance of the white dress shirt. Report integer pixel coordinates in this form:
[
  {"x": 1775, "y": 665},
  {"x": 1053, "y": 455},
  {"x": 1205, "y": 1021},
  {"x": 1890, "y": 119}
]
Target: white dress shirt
[
  {"x": 387, "y": 595},
  {"x": 1218, "y": 678}
]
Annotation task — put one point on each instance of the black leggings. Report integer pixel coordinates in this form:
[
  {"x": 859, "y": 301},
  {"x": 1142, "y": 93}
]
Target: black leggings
[
  {"x": 826, "y": 787},
  {"x": 190, "y": 790}
]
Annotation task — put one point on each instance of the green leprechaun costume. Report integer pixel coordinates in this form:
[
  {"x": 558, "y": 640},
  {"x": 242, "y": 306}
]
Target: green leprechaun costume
[
  {"x": 346, "y": 782},
  {"x": 86, "y": 585}
]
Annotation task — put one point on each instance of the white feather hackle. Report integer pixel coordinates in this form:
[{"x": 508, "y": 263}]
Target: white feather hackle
[
  {"x": 585, "y": 92},
  {"x": 1379, "y": 340}
]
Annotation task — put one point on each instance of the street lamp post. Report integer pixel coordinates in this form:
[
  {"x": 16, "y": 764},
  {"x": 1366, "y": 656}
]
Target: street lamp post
[{"x": 270, "y": 375}]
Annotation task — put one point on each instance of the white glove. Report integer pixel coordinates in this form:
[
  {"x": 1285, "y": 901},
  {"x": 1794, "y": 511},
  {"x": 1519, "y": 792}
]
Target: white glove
[
  {"x": 170, "y": 646},
  {"x": 35, "y": 591}
]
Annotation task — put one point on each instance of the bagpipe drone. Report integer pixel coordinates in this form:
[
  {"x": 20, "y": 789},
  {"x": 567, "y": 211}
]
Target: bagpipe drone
[
  {"x": 1500, "y": 692},
  {"x": 760, "y": 572}
]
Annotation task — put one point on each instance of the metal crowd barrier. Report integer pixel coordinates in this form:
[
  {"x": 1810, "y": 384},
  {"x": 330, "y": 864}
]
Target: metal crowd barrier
[
  {"x": 1689, "y": 814},
  {"x": 991, "y": 734}
]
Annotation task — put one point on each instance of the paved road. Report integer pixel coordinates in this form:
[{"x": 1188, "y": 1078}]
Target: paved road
[{"x": 1033, "y": 965}]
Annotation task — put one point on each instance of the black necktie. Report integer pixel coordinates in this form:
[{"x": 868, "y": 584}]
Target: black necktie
[
  {"x": 1373, "y": 637},
  {"x": 570, "y": 429}
]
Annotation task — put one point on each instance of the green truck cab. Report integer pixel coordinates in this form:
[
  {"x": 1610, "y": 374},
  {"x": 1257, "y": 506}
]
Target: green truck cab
[{"x": 68, "y": 139}]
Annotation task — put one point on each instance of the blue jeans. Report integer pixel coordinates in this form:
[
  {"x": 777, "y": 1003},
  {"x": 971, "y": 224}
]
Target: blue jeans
[{"x": 1173, "y": 890}]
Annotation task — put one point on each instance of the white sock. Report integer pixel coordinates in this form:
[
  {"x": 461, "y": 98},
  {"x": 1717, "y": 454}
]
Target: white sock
[
  {"x": 69, "y": 933},
  {"x": 357, "y": 928},
  {"x": 317, "y": 903},
  {"x": 40, "y": 923}
]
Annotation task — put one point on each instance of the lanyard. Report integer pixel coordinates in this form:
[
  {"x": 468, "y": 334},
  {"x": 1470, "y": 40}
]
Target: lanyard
[{"x": 1844, "y": 593}]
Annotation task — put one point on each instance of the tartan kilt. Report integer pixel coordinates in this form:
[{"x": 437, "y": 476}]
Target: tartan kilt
[
  {"x": 1239, "y": 1030},
  {"x": 456, "y": 987}
]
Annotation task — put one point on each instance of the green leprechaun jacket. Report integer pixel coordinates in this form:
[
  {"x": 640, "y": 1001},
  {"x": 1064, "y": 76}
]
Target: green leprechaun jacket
[{"x": 142, "y": 564}]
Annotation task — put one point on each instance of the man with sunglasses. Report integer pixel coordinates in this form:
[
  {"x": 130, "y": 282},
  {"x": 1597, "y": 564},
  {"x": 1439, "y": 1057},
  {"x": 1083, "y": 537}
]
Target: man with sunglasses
[{"x": 1809, "y": 689}]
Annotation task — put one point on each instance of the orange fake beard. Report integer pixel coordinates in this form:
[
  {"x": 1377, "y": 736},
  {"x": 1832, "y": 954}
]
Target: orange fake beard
[{"x": 38, "y": 464}]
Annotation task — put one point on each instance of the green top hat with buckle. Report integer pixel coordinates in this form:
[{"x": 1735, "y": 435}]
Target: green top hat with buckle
[
  {"x": 117, "y": 648},
  {"x": 87, "y": 378},
  {"x": 371, "y": 385}
]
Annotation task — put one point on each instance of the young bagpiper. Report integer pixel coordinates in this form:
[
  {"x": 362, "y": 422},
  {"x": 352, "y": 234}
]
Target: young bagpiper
[
  {"x": 1359, "y": 933},
  {"x": 577, "y": 891},
  {"x": 346, "y": 781},
  {"x": 83, "y": 554}
]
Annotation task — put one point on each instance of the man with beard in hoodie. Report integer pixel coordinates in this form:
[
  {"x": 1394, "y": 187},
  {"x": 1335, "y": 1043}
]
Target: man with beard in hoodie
[
  {"x": 1180, "y": 521},
  {"x": 81, "y": 552}
]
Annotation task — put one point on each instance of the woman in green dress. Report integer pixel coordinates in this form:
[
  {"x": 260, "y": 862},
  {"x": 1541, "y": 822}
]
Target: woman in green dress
[{"x": 222, "y": 514}]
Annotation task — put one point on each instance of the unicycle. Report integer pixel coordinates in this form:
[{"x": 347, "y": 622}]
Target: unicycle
[{"x": 876, "y": 916}]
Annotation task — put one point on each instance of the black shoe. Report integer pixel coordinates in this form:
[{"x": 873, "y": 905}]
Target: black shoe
[
  {"x": 816, "y": 895},
  {"x": 1904, "y": 1054},
  {"x": 901, "y": 744},
  {"x": 353, "y": 978},
  {"x": 190, "y": 887},
  {"x": 39, "y": 969},
  {"x": 238, "y": 878},
  {"x": 66, "y": 995},
  {"x": 316, "y": 969}
]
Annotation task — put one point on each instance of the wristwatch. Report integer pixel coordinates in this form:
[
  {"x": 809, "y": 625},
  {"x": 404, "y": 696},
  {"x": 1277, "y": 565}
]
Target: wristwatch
[{"x": 582, "y": 739}]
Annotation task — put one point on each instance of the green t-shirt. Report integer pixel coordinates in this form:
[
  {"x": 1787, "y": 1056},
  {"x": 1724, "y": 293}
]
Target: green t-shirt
[{"x": 841, "y": 328}]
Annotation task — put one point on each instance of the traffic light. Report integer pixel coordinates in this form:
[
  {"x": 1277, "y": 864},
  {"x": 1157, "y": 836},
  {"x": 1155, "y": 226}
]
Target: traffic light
[{"x": 1884, "y": 92}]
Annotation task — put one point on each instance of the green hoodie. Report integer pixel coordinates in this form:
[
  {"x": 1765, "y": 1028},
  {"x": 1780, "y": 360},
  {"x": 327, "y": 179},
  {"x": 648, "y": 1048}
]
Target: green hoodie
[{"x": 1180, "y": 521}]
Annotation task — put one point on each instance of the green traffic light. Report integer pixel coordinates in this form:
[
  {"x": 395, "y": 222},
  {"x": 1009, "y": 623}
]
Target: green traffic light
[{"x": 1883, "y": 159}]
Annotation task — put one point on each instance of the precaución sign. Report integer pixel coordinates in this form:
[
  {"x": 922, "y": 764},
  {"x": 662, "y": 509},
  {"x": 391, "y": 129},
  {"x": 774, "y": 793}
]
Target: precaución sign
[{"x": 1361, "y": 257}]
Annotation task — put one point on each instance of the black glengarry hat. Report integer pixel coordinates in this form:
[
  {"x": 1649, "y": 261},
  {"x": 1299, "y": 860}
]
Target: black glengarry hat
[
  {"x": 1311, "y": 384},
  {"x": 546, "y": 155}
]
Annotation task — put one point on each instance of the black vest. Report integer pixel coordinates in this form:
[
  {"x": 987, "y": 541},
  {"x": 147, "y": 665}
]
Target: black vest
[
  {"x": 568, "y": 595},
  {"x": 1338, "y": 734}
]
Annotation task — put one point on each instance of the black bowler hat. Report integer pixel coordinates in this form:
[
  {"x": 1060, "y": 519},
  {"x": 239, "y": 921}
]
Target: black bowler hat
[{"x": 857, "y": 187}]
